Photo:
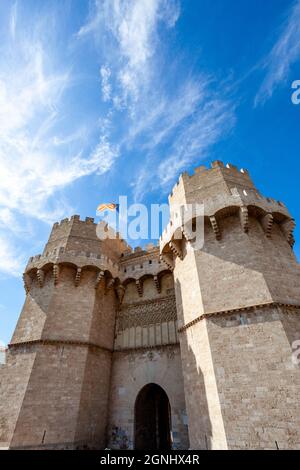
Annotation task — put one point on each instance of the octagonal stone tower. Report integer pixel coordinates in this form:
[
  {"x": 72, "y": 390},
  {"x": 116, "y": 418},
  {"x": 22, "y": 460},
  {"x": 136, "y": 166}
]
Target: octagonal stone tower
[
  {"x": 238, "y": 299},
  {"x": 56, "y": 387}
]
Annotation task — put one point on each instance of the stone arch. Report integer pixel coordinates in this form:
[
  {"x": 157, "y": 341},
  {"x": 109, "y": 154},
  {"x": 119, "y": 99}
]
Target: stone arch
[
  {"x": 227, "y": 211},
  {"x": 152, "y": 419},
  {"x": 128, "y": 280},
  {"x": 131, "y": 291},
  {"x": 47, "y": 267},
  {"x": 31, "y": 272},
  {"x": 165, "y": 280},
  {"x": 67, "y": 264},
  {"x": 147, "y": 286},
  {"x": 163, "y": 272}
]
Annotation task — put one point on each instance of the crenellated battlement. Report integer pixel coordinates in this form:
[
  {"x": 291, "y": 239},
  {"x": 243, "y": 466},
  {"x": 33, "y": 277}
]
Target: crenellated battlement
[
  {"x": 146, "y": 264},
  {"x": 210, "y": 181},
  {"x": 72, "y": 219},
  {"x": 222, "y": 191},
  {"x": 74, "y": 235}
]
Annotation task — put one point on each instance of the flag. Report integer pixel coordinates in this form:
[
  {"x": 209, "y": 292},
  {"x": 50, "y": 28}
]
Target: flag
[{"x": 111, "y": 206}]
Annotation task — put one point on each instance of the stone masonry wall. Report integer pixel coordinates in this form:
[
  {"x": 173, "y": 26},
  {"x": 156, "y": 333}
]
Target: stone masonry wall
[
  {"x": 69, "y": 330},
  {"x": 14, "y": 376},
  {"x": 131, "y": 371},
  {"x": 257, "y": 382}
]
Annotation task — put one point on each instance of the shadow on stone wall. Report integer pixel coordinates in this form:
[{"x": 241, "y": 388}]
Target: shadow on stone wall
[{"x": 199, "y": 423}]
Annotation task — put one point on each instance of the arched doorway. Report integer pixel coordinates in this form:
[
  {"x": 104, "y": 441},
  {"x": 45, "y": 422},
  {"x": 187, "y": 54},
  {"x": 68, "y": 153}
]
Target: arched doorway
[{"x": 152, "y": 419}]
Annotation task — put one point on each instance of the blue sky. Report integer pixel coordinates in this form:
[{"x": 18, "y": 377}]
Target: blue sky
[{"x": 104, "y": 98}]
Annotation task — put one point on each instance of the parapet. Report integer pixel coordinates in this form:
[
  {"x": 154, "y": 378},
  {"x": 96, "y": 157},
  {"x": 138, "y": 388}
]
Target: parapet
[
  {"x": 68, "y": 222},
  {"x": 74, "y": 234},
  {"x": 238, "y": 200},
  {"x": 78, "y": 259},
  {"x": 206, "y": 182}
]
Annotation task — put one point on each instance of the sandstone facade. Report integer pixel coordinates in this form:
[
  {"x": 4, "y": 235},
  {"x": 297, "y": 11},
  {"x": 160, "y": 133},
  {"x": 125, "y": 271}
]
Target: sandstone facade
[{"x": 196, "y": 341}]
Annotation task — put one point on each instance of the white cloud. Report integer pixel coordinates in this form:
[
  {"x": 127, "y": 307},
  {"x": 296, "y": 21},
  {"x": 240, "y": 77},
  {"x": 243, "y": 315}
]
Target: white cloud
[
  {"x": 212, "y": 120},
  {"x": 31, "y": 166},
  {"x": 285, "y": 52},
  {"x": 11, "y": 263},
  {"x": 159, "y": 106},
  {"x": 211, "y": 123},
  {"x": 37, "y": 161},
  {"x": 40, "y": 153},
  {"x": 105, "y": 74},
  {"x": 167, "y": 113},
  {"x": 132, "y": 26}
]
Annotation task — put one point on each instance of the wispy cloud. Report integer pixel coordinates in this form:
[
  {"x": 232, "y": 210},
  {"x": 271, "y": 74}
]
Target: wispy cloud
[
  {"x": 105, "y": 74},
  {"x": 13, "y": 20},
  {"x": 167, "y": 112},
  {"x": 39, "y": 156},
  {"x": 192, "y": 140},
  {"x": 130, "y": 27},
  {"x": 161, "y": 106},
  {"x": 285, "y": 52},
  {"x": 11, "y": 262},
  {"x": 166, "y": 118},
  {"x": 212, "y": 121},
  {"x": 31, "y": 167}
]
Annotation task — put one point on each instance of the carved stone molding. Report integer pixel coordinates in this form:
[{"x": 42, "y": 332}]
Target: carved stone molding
[
  {"x": 58, "y": 342},
  {"x": 147, "y": 313},
  {"x": 284, "y": 305}
]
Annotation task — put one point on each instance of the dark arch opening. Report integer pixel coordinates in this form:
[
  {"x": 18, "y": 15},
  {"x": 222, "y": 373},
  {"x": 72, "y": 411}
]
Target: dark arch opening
[{"x": 152, "y": 415}]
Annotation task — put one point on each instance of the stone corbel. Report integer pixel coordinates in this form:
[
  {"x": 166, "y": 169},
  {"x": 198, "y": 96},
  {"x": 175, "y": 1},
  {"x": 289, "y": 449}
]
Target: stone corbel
[
  {"x": 157, "y": 284},
  {"x": 292, "y": 241},
  {"x": 175, "y": 249},
  {"x": 55, "y": 273},
  {"x": 40, "y": 277},
  {"x": 139, "y": 287},
  {"x": 167, "y": 258},
  {"x": 288, "y": 228},
  {"x": 78, "y": 277},
  {"x": 27, "y": 282},
  {"x": 187, "y": 235},
  {"x": 215, "y": 227},
  {"x": 120, "y": 290},
  {"x": 99, "y": 279},
  {"x": 110, "y": 283},
  {"x": 244, "y": 218},
  {"x": 267, "y": 223}
]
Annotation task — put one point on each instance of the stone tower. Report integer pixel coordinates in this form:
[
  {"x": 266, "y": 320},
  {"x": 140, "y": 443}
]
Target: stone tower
[
  {"x": 184, "y": 345},
  {"x": 238, "y": 301},
  {"x": 56, "y": 389}
]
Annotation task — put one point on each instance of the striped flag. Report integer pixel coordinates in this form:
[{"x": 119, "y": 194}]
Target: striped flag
[{"x": 111, "y": 206}]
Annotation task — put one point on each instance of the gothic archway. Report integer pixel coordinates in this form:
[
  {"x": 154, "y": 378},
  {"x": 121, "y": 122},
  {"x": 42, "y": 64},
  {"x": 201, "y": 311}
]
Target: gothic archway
[{"x": 152, "y": 419}]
